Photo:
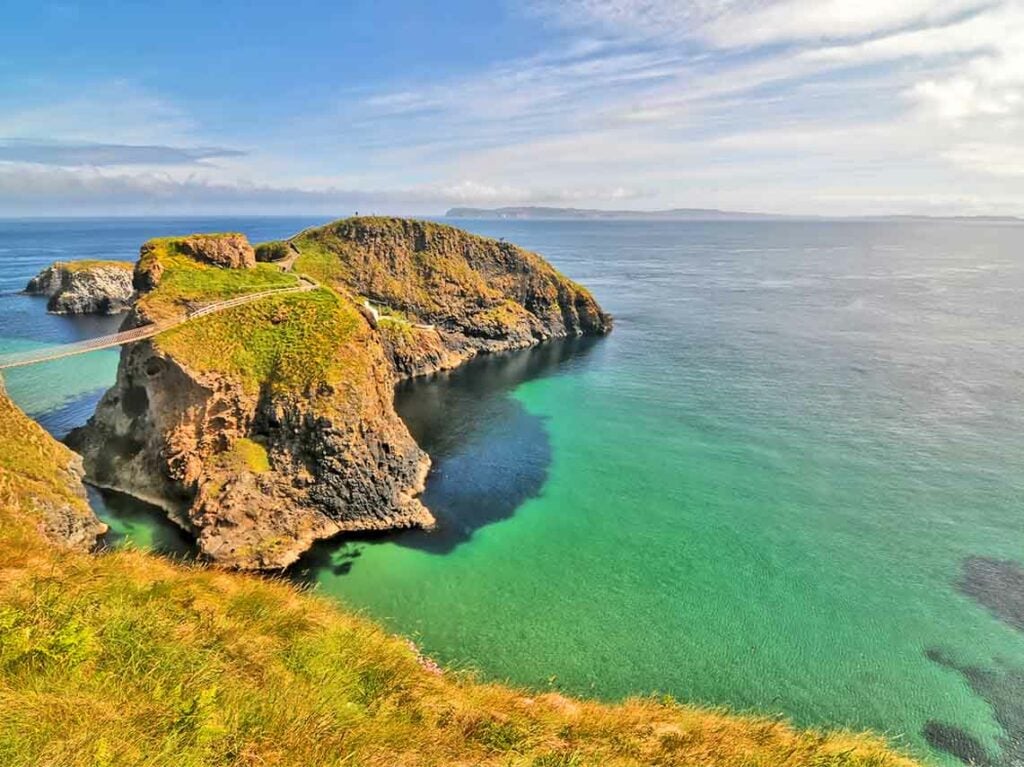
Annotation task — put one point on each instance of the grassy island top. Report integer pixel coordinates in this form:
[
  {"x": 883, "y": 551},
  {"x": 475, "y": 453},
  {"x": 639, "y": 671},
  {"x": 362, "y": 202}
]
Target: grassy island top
[
  {"x": 87, "y": 265},
  {"x": 425, "y": 267},
  {"x": 293, "y": 341},
  {"x": 125, "y": 659},
  {"x": 184, "y": 281}
]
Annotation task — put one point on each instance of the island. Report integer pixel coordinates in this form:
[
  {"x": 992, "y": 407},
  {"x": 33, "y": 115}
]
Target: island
[
  {"x": 265, "y": 428},
  {"x": 84, "y": 287}
]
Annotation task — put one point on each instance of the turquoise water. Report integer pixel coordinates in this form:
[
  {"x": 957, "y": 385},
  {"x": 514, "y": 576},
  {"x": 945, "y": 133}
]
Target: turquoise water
[{"x": 790, "y": 481}]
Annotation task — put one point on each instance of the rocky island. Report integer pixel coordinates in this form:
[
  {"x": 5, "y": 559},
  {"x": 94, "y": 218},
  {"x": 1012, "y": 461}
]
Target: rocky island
[
  {"x": 269, "y": 426},
  {"x": 84, "y": 287}
]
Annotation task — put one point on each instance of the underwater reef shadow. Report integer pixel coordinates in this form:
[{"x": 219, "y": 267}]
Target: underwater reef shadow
[
  {"x": 489, "y": 454},
  {"x": 997, "y": 585}
]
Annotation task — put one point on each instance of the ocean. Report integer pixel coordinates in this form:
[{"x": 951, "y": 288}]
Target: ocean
[{"x": 789, "y": 482}]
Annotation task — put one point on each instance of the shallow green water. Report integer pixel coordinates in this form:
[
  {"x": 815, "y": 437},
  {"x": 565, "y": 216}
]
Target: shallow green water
[{"x": 764, "y": 490}]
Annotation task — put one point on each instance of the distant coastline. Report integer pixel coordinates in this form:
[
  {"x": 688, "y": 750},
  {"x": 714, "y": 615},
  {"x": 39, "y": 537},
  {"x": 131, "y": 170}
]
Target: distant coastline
[{"x": 534, "y": 213}]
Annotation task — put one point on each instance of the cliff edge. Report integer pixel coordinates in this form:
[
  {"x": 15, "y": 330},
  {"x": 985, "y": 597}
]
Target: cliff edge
[{"x": 41, "y": 480}]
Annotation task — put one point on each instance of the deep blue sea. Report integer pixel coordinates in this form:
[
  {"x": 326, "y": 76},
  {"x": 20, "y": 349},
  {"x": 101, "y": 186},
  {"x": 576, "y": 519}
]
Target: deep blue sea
[{"x": 791, "y": 480}]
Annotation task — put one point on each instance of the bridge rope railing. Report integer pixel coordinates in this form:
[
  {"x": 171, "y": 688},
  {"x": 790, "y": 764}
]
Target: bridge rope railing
[{"x": 141, "y": 333}]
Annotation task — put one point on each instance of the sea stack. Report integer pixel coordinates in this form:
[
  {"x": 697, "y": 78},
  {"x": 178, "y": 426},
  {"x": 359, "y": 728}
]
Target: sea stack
[{"x": 84, "y": 287}]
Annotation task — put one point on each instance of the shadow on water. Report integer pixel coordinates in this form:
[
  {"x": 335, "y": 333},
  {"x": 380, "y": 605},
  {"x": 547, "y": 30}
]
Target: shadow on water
[
  {"x": 139, "y": 524},
  {"x": 60, "y": 420},
  {"x": 489, "y": 454},
  {"x": 998, "y": 585}
]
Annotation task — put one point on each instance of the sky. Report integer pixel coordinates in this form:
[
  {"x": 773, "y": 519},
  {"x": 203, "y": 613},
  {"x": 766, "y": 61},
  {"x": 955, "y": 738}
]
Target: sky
[{"x": 823, "y": 107}]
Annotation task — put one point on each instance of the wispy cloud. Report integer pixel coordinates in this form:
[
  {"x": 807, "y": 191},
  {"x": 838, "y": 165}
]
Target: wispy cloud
[
  {"x": 22, "y": 188},
  {"x": 72, "y": 154}
]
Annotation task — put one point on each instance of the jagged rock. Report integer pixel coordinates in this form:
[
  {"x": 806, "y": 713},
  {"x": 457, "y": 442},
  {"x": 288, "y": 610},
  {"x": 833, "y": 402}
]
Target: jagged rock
[
  {"x": 85, "y": 287},
  {"x": 230, "y": 250}
]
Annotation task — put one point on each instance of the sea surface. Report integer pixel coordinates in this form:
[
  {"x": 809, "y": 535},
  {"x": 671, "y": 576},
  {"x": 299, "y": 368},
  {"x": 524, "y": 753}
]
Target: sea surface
[{"x": 791, "y": 481}]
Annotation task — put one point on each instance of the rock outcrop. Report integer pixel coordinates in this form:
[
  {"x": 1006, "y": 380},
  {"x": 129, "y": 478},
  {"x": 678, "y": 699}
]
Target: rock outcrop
[
  {"x": 85, "y": 287},
  {"x": 270, "y": 425},
  {"x": 448, "y": 295},
  {"x": 43, "y": 479},
  {"x": 230, "y": 250}
]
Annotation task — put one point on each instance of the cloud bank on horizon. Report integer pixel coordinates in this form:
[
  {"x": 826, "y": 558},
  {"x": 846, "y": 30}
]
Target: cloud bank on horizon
[{"x": 787, "y": 106}]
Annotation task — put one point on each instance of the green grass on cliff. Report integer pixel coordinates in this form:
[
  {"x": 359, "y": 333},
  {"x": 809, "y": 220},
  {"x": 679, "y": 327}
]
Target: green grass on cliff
[
  {"x": 387, "y": 268},
  {"x": 185, "y": 281},
  {"x": 33, "y": 476},
  {"x": 292, "y": 342}
]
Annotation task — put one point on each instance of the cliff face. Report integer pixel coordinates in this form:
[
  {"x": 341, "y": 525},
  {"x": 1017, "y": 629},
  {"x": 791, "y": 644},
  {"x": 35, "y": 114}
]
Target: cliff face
[
  {"x": 446, "y": 295},
  {"x": 43, "y": 479},
  {"x": 260, "y": 429},
  {"x": 85, "y": 287}
]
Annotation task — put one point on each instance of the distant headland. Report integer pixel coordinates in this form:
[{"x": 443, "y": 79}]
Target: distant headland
[{"x": 535, "y": 213}]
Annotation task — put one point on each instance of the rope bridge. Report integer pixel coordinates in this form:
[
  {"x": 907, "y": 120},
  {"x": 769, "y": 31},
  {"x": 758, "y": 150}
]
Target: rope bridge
[{"x": 140, "y": 333}]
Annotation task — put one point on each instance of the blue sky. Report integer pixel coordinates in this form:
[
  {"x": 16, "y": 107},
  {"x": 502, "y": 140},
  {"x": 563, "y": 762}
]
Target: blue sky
[{"x": 791, "y": 106}]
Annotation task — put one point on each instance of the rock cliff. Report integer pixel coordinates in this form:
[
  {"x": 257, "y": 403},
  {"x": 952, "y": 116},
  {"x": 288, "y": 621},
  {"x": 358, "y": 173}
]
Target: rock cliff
[
  {"x": 43, "y": 480},
  {"x": 446, "y": 295},
  {"x": 270, "y": 425},
  {"x": 85, "y": 287}
]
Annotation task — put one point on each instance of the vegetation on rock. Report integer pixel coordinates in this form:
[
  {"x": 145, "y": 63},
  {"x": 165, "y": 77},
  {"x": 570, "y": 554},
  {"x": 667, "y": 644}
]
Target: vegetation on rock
[
  {"x": 482, "y": 295},
  {"x": 41, "y": 484}
]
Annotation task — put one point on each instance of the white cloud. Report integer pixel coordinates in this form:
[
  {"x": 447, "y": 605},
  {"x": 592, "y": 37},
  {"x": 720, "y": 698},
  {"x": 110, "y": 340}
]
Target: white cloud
[
  {"x": 993, "y": 159},
  {"x": 735, "y": 23},
  {"x": 24, "y": 186}
]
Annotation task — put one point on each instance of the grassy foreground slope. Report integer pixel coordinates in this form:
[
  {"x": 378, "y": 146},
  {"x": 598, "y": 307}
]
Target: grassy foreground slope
[{"x": 127, "y": 659}]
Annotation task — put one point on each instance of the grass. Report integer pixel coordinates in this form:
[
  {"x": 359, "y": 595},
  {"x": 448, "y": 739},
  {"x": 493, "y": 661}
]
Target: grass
[
  {"x": 185, "y": 281},
  {"x": 128, "y": 660},
  {"x": 291, "y": 342},
  {"x": 90, "y": 264},
  {"x": 246, "y": 455}
]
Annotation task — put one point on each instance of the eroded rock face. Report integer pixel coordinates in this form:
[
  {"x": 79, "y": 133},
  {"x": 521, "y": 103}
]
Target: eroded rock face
[
  {"x": 41, "y": 476},
  {"x": 256, "y": 478},
  {"x": 85, "y": 287},
  {"x": 230, "y": 250}
]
